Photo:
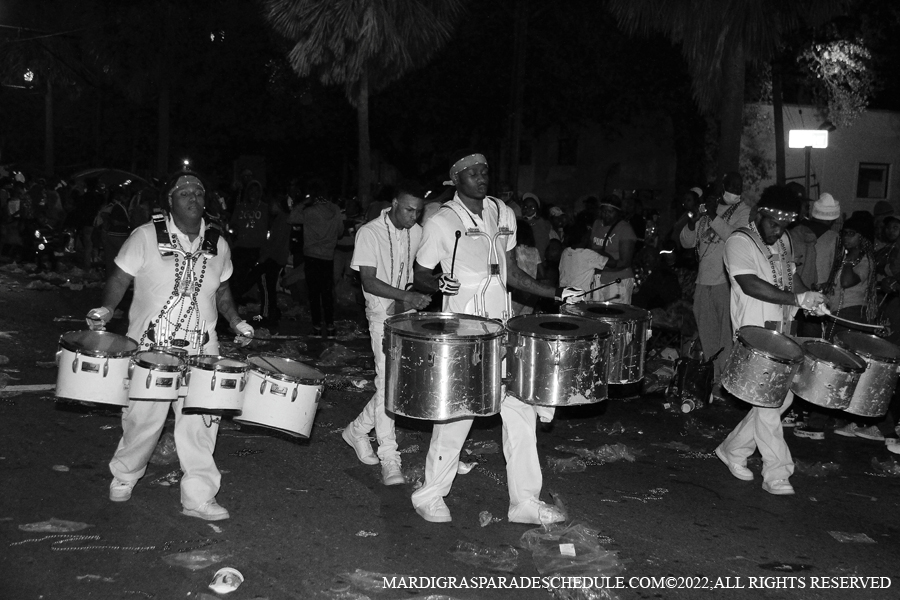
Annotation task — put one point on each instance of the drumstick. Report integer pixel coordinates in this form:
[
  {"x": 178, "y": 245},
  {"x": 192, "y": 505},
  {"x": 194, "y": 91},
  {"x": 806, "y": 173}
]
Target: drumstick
[
  {"x": 855, "y": 323},
  {"x": 599, "y": 287},
  {"x": 453, "y": 260}
]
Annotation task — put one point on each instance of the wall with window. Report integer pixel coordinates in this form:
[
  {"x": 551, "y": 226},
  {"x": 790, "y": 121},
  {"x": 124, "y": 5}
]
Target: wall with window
[{"x": 860, "y": 166}]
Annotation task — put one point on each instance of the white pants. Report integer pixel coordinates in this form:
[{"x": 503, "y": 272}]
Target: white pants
[
  {"x": 374, "y": 415},
  {"x": 523, "y": 470},
  {"x": 617, "y": 292},
  {"x": 761, "y": 429},
  {"x": 195, "y": 441}
]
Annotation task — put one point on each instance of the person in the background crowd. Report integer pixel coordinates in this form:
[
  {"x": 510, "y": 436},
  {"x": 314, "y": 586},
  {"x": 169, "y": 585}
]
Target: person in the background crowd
[
  {"x": 323, "y": 226},
  {"x": 721, "y": 215},
  {"x": 559, "y": 220},
  {"x": 88, "y": 206},
  {"x": 250, "y": 227},
  {"x": 881, "y": 210},
  {"x": 814, "y": 242},
  {"x": 684, "y": 208},
  {"x": 529, "y": 260},
  {"x": 116, "y": 227},
  {"x": 579, "y": 264},
  {"x": 661, "y": 288},
  {"x": 613, "y": 238},
  {"x": 540, "y": 227},
  {"x": 272, "y": 259}
]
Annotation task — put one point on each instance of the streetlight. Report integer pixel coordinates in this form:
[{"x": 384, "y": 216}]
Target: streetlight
[{"x": 808, "y": 139}]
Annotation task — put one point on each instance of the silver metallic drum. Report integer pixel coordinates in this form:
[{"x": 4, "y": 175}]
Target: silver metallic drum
[
  {"x": 828, "y": 375},
  {"x": 442, "y": 366},
  {"x": 630, "y": 330},
  {"x": 875, "y": 389},
  {"x": 761, "y": 366},
  {"x": 557, "y": 360},
  {"x": 93, "y": 367}
]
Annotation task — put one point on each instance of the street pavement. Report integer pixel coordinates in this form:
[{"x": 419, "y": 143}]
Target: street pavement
[{"x": 309, "y": 521}]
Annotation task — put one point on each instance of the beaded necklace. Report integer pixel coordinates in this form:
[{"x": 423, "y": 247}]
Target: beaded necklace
[
  {"x": 778, "y": 280},
  {"x": 400, "y": 273},
  {"x": 184, "y": 297}
]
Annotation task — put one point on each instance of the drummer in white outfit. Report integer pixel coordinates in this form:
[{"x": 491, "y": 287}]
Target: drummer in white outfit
[
  {"x": 484, "y": 264},
  {"x": 766, "y": 293},
  {"x": 179, "y": 283},
  {"x": 383, "y": 254}
]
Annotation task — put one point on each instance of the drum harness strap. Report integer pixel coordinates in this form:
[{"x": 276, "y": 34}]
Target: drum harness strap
[
  {"x": 496, "y": 272},
  {"x": 786, "y": 281}
]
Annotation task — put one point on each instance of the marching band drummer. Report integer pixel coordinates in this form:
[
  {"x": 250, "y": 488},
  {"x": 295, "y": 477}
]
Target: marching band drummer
[
  {"x": 472, "y": 237},
  {"x": 180, "y": 269},
  {"x": 383, "y": 254},
  {"x": 765, "y": 293}
]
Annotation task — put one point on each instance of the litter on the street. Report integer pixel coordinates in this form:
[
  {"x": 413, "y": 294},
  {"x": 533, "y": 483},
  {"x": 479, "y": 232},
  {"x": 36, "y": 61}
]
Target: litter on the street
[
  {"x": 479, "y": 555},
  {"x": 226, "y": 580},
  {"x": 54, "y": 526},
  {"x": 860, "y": 538}
]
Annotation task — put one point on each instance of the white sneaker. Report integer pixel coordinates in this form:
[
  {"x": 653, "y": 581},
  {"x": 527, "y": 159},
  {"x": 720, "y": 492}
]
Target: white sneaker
[
  {"x": 870, "y": 433},
  {"x": 848, "y": 430},
  {"x": 435, "y": 511},
  {"x": 391, "y": 473},
  {"x": 892, "y": 445},
  {"x": 209, "y": 511},
  {"x": 361, "y": 445},
  {"x": 120, "y": 491},
  {"x": 535, "y": 512}
]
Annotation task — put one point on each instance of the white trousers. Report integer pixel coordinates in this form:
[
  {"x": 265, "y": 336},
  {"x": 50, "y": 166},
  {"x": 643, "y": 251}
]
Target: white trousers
[
  {"x": 762, "y": 429},
  {"x": 523, "y": 470},
  {"x": 374, "y": 415},
  {"x": 195, "y": 441}
]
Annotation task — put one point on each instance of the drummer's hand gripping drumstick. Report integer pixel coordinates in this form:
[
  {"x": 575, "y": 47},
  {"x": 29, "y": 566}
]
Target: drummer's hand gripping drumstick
[{"x": 592, "y": 290}]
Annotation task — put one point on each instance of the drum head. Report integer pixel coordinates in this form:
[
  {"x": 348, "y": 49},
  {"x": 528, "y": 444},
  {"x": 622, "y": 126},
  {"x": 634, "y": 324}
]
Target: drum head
[
  {"x": 98, "y": 343},
  {"x": 606, "y": 311},
  {"x": 151, "y": 359},
  {"x": 558, "y": 326},
  {"x": 869, "y": 346},
  {"x": 220, "y": 363},
  {"x": 835, "y": 356},
  {"x": 771, "y": 343},
  {"x": 285, "y": 369},
  {"x": 429, "y": 326}
]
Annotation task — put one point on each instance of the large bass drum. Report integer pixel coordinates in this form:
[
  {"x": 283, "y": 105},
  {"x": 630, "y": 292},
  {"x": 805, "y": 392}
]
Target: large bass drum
[
  {"x": 557, "y": 360},
  {"x": 828, "y": 375},
  {"x": 630, "y": 330},
  {"x": 93, "y": 367},
  {"x": 761, "y": 366},
  {"x": 442, "y": 366},
  {"x": 875, "y": 389}
]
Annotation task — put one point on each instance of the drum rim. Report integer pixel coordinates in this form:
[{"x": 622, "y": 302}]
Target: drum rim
[
  {"x": 389, "y": 327},
  {"x": 156, "y": 367},
  {"x": 179, "y": 352},
  {"x": 284, "y": 376},
  {"x": 770, "y": 332},
  {"x": 573, "y": 309},
  {"x": 193, "y": 361},
  {"x": 863, "y": 353},
  {"x": 98, "y": 353},
  {"x": 844, "y": 368},
  {"x": 603, "y": 335}
]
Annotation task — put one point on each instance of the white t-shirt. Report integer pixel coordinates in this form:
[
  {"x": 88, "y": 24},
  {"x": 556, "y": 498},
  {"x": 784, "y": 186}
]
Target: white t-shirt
[
  {"x": 743, "y": 257},
  {"x": 576, "y": 267},
  {"x": 473, "y": 251},
  {"x": 154, "y": 282},
  {"x": 391, "y": 252}
]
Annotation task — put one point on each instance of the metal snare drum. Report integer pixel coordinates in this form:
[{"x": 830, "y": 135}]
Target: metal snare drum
[
  {"x": 828, "y": 375},
  {"x": 281, "y": 394},
  {"x": 761, "y": 366},
  {"x": 442, "y": 366},
  {"x": 875, "y": 389},
  {"x": 630, "y": 327},
  {"x": 215, "y": 385},
  {"x": 557, "y": 360},
  {"x": 155, "y": 375},
  {"x": 93, "y": 367}
]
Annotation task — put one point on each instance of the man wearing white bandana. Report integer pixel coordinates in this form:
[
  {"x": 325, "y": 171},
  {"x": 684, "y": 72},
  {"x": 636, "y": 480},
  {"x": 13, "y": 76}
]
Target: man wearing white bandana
[
  {"x": 180, "y": 283},
  {"x": 765, "y": 293},
  {"x": 383, "y": 254},
  {"x": 478, "y": 287},
  {"x": 707, "y": 232}
]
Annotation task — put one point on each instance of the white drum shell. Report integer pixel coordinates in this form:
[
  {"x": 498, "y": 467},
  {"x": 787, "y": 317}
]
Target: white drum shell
[
  {"x": 212, "y": 389},
  {"x": 278, "y": 400},
  {"x": 88, "y": 374},
  {"x": 154, "y": 382}
]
